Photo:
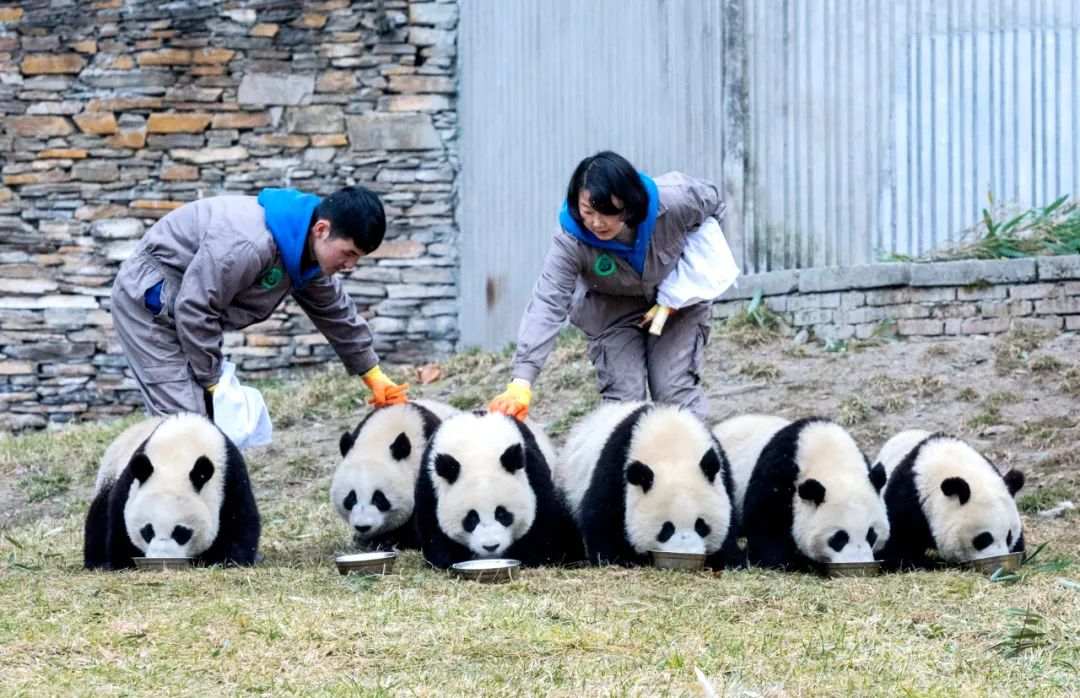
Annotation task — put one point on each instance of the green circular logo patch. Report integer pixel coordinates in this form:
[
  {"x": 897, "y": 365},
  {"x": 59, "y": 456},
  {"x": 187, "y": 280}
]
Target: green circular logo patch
[
  {"x": 605, "y": 265},
  {"x": 272, "y": 277}
]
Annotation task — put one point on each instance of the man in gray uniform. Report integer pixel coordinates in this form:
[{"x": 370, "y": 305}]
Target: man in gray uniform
[
  {"x": 227, "y": 262},
  {"x": 622, "y": 234}
]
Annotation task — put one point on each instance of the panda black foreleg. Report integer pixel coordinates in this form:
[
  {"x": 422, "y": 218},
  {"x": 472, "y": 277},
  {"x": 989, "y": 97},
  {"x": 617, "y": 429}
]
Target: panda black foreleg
[{"x": 96, "y": 533}]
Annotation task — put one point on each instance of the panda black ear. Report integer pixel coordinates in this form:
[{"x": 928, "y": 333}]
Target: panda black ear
[
  {"x": 201, "y": 473},
  {"x": 401, "y": 448},
  {"x": 710, "y": 464},
  {"x": 513, "y": 458},
  {"x": 447, "y": 467},
  {"x": 141, "y": 467},
  {"x": 877, "y": 476},
  {"x": 812, "y": 491},
  {"x": 346, "y": 442},
  {"x": 637, "y": 473},
  {"x": 956, "y": 487},
  {"x": 1014, "y": 480}
]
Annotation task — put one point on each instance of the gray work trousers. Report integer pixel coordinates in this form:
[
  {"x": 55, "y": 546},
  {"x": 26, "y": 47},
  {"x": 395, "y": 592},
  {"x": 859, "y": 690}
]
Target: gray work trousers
[
  {"x": 151, "y": 345},
  {"x": 628, "y": 360}
]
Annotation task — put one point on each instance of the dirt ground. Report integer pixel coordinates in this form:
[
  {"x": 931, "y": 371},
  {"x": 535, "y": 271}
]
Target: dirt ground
[{"x": 1016, "y": 398}]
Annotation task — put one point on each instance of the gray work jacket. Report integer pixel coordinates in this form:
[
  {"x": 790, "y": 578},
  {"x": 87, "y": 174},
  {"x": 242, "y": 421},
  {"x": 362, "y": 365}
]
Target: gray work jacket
[
  {"x": 223, "y": 271},
  {"x": 570, "y": 285}
]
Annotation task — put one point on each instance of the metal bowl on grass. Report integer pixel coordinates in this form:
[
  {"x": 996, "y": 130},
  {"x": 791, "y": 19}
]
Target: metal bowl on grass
[
  {"x": 488, "y": 571},
  {"x": 366, "y": 563},
  {"x": 677, "y": 561},
  {"x": 163, "y": 563},
  {"x": 852, "y": 569},
  {"x": 990, "y": 565}
]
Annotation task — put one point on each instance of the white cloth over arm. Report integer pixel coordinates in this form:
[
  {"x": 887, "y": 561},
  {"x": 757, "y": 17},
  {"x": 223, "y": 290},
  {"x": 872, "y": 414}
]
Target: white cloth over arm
[
  {"x": 705, "y": 270},
  {"x": 240, "y": 411}
]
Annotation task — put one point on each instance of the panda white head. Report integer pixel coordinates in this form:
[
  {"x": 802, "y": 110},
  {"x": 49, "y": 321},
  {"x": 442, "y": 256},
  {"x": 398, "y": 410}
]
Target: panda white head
[
  {"x": 970, "y": 507},
  {"x": 372, "y": 489},
  {"x": 838, "y": 512},
  {"x": 173, "y": 506},
  {"x": 477, "y": 465},
  {"x": 675, "y": 495}
]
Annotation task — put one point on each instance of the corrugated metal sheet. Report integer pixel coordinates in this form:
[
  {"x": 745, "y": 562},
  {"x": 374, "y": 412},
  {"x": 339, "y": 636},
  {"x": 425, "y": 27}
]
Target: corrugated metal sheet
[{"x": 839, "y": 130}]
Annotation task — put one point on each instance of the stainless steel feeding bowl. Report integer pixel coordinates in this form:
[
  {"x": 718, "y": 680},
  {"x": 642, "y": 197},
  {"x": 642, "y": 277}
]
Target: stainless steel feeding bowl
[
  {"x": 488, "y": 571},
  {"x": 677, "y": 561},
  {"x": 990, "y": 565},
  {"x": 852, "y": 569},
  {"x": 366, "y": 563},
  {"x": 163, "y": 563}
]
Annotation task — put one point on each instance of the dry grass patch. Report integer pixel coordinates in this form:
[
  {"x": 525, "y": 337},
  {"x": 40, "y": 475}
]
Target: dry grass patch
[
  {"x": 1047, "y": 433},
  {"x": 1012, "y": 351},
  {"x": 758, "y": 370}
]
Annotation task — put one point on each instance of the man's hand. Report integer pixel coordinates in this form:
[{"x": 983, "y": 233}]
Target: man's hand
[
  {"x": 514, "y": 401},
  {"x": 383, "y": 390}
]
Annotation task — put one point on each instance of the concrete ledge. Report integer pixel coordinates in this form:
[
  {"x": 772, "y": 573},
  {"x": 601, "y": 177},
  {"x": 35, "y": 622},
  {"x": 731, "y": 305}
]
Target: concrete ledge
[
  {"x": 771, "y": 283},
  {"x": 862, "y": 276},
  {"x": 973, "y": 271},
  {"x": 1054, "y": 268}
]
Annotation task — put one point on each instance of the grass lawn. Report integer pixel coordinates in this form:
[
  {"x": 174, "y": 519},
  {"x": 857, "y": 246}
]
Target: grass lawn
[{"x": 293, "y": 626}]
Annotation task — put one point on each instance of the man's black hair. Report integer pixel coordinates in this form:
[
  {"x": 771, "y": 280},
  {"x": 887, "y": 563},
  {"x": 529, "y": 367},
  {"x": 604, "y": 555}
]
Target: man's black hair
[
  {"x": 354, "y": 213},
  {"x": 606, "y": 175}
]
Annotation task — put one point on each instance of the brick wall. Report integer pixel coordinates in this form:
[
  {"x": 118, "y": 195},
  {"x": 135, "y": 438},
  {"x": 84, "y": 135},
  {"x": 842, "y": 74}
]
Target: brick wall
[
  {"x": 941, "y": 299},
  {"x": 117, "y": 111}
]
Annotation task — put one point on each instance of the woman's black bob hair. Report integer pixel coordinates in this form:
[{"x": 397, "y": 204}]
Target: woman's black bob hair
[{"x": 607, "y": 175}]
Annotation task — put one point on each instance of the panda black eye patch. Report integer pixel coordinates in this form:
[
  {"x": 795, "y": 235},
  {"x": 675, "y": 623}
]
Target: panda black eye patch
[
  {"x": 350, "y": 500},
  {"x": 1008, "y": 539},
  {"x": 503, "y": 516},
  {"x": 871, "y": 536},
  {"x": 147, "y": 533},
  {"x": 181, "y": 534},
  {"x": 983, "y": 540},
  {"x": 380, "y": 501},
  {"x": 838, "y": 540},
  {"x": 702, "y": 528},
  {"x": 666, "y": 532},
  {"x": 471, "y": 521}
]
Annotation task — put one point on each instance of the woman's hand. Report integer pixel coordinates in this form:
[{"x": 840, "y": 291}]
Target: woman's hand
[{"x": 514, "y": 401}]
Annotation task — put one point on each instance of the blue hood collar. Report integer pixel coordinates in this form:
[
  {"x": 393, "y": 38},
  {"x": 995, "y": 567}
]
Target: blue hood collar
[
  {"x": 288, "y": 216},
  {"x": 634, "y": 256}
]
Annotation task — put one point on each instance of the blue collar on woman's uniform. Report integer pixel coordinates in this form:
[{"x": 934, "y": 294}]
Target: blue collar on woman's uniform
[
  {"x": 288, "y": 216},
  {"x": 635, "y": 255}
]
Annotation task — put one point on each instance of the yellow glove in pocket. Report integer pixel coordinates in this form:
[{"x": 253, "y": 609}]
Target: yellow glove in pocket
[{"x": 514, "y": 401}]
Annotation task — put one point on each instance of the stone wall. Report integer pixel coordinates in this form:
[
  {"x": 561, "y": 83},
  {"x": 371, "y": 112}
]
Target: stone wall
[
  {"x": 117, "y": 111},
  {"x": 928, "y": 300}
]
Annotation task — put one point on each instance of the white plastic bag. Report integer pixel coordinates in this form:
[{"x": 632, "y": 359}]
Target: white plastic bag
[
  {"x": 240, "y": 411},
  {"x": 705, "y": 269}
]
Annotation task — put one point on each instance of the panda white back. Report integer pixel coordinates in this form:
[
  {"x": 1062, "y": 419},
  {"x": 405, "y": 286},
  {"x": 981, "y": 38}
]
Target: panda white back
[
  {"x": 897, "y": 448},
  {"x": 579, "y": 456},
  {"x": 119, "y": 452},
  {"x": 373, "y": 487},
  {"x": 966, "y": 503},
  {"x": 743, "y": 439}
]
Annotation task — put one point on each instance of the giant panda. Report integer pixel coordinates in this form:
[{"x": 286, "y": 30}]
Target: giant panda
[
  {"x": 373, "y": 486},
  {"x": 809, "y": 498},
  {"x": 485, "y": 491},
  {"x": 943, "y": 496},
  {"x": 171, "y": 487},
  {"x": 643, "y": 477}
]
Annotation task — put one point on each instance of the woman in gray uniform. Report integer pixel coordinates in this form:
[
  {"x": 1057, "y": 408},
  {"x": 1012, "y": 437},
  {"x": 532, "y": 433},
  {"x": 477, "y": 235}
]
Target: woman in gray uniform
[{"x": 622, "y": 234}]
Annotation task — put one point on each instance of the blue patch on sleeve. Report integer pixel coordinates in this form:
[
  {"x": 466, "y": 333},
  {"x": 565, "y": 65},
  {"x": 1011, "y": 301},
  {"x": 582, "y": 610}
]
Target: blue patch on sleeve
[{"x": 152, "y": 298}]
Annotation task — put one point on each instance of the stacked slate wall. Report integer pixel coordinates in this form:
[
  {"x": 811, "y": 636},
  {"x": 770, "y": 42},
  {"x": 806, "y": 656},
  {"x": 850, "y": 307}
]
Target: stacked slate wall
[{"x": 117, "y": 111}]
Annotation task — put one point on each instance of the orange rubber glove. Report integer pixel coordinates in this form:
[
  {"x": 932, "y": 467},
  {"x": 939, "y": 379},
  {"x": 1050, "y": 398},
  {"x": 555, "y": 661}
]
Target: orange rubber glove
[
  {"x": 514, "y": 401},
  {"x": 383, "y": 390}
]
